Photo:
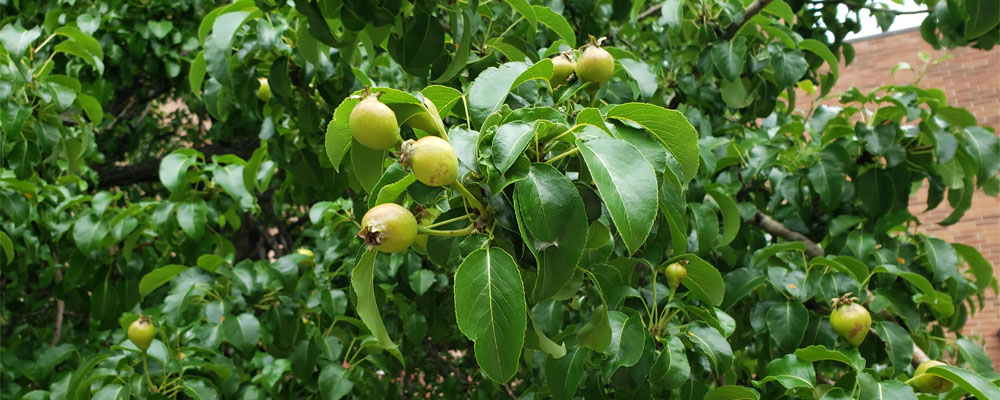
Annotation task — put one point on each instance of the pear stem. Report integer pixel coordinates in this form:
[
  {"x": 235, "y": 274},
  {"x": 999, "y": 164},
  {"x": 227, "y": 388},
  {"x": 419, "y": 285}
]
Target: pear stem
[
  {"x": 457, "y": 232},
  {"x": 470, "y": 197}
]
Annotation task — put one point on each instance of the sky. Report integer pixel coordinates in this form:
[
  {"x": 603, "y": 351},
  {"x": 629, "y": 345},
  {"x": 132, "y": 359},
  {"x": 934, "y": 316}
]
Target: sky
[{"x": 870, "y": 27}]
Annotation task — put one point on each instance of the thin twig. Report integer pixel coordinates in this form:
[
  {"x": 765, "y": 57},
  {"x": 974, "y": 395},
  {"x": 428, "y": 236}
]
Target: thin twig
[{"x": 778, "y": 229}]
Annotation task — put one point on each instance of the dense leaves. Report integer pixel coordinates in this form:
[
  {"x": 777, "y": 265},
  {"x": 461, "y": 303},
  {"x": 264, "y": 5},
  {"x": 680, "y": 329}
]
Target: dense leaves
[{"x": 146, "y": 171}]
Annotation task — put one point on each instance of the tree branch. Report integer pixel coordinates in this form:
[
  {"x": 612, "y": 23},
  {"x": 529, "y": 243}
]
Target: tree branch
[
  {"x": 148, "y": 171},
  {"x": 778, "y": 229},
  {"x": 751, "y": 10},
  {"x": 651, "y": 11}
]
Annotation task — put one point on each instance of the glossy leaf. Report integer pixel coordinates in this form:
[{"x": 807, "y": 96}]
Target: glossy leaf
[
  {"x": 627, "y": 184},
  {"x": 490, "y": 310}
]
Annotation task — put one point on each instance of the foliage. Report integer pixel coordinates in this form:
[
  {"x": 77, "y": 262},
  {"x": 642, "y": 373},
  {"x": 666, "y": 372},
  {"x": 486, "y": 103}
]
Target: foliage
[{"x": 143, "y": 174}]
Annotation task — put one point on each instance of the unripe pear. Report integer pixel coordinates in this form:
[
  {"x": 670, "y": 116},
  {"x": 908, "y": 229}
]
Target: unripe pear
[
  {"x": 929, "y": 383},
  {"x": 264, "y": 91},
  {"x": 373, "y": 124},
  {"x": 676, "y": 273},
  {"x": 429, "y": 121},
  {"x": 388, "y": 227},
  {"x": 141, "y": 333},
  {"x": 432, "y": 160},
  {"x": 562, "y": 68},
  {"x": 595, "y": 64},
  {"x": 310, "y": 259},
  {"x": 850, "y": 320}
]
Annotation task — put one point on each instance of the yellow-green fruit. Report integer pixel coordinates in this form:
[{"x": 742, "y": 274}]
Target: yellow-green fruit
[
  {"x": 562, "y": 67},
  {"x": 675, "y": 274},
  {"x": 141, "y": 333},
  {"x": 429, "y": 121},
  {"x": 264, "y": 91},
  {"x": 388, "y": 227},
  {"x": 595, "y": 65},
  {"x": 851, "y": 321},
  {"x": 373, "y": 124},
  {"x": 425, "y": 218},
  {"x": 432, "y": 161},
  {"x": 310, "y": 257},
  {"x": 929, "y": 383}
]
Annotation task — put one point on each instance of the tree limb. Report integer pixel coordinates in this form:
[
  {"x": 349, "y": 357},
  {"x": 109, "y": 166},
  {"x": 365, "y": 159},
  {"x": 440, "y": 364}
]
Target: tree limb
[
  {"x": 148, "y": 171},
  {"x": 778, "y": 229},
  {"x": 649, "y": 12},
  {"x": 751, "y": 10}
]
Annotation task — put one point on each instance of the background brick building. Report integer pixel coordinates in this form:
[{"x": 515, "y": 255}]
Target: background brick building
[{"x": 972, "y": 80}]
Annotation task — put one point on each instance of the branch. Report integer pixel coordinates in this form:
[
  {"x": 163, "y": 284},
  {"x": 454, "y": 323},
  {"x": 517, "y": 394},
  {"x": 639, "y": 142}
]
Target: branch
[
  {"x": 651, "y": 11},
  {"x": 751, "y": 10},
  {"x": 148, "y": 171},
  {"x": 778, "y": 229},
  {"x": 60, "y": 309}
]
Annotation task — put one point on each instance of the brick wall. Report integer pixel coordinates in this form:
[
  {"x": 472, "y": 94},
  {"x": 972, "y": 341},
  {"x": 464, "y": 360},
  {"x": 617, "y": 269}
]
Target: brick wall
[{"x": 972, "y": 80}]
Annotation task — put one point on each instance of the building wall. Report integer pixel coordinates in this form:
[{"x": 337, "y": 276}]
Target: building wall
[{"x": 971, "y": 79}]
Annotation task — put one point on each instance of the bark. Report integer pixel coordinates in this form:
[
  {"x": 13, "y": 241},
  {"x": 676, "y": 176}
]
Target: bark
[{"x": 778, "y": 229}]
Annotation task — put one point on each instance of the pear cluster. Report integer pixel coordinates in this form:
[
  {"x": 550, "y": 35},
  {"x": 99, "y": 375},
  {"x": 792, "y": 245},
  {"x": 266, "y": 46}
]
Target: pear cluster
[
  {"x": 389, "y": 227},
  {"x": 595, "y": 65}
]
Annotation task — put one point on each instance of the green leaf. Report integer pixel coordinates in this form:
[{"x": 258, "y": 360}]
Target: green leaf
[
  {"x": 940, "y": 302},
  {"x": 200, "y": 388},
  {"x": 158, "y": 277},
  {"x": 824, "y": 52},
  {"x": 196, "y": 75},
  {"x": 230, "y": 177},
  {"x": 981, "y": 17},
  {"x": 443, "y": 97},
  {"x": 160, "y": 29},
  {"x": 827, "y": 179},
  {"x": 732, "y": 392},
  {"x": 338, "y": 133},
  {"x": 898, "y": 344},
  {"x": 546, "y": 344},
  {"x": 728, "y": 57},
  {"x": 490, "y": 89},
  {"x": 191, "y": 216},
  {"x": 627, "y": 185},
  {"x": 984, "y": 150},
  {"x": 367, "y": 164},
  {"x": 627, "y": 342},
  {"x": 88, "y": 231},
  {"x": 879, "y": 191},
  {"x": 943, "y": 259},
  {"x": 491, "y": 311},
  {"x": 563, "y": 375},
  {"x": 509, "y": 142},
  {"x": 739, "y": 283},
  {"x": 712, "y": 345},
  {"x": 7, "y": 246},
  {"x": 788, "y": 65},
  {"x": 703, "y": 279},
  {"x": 671, "y": 368},
  {"x": 596, "y": 334},
  {"x": 466, "y": 27},
  {"x": 981, "y": 268},
  {"x": 791, "y": 372},
  {"x": 524, "y": 8},
  {"x": 670, "y": 127},
  {"x": 553, "y": 220},
  {"x": 968, "y": 380},
  {"x": 643, "y": 75},
  {"x": 333, "y": 382},
  {"x": 787, "y": 323},
  {"x": 210, "y": 262},
  {"x": 363, "y": 283},
  {"x": 849, "y": 357},
  {"x": 891, "y": 389},
  {"x": 242, "y": 332},
  {"x": 173, "y": 170},
  {"x": 91, "y": 106},
  {"x": 975, "y": 356},
  {"x": 218, "y": 45},
  {"x": 556, "y": 23},
  {"x": 421, "y": 280},
  {"x": 16, "y": 40}
]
